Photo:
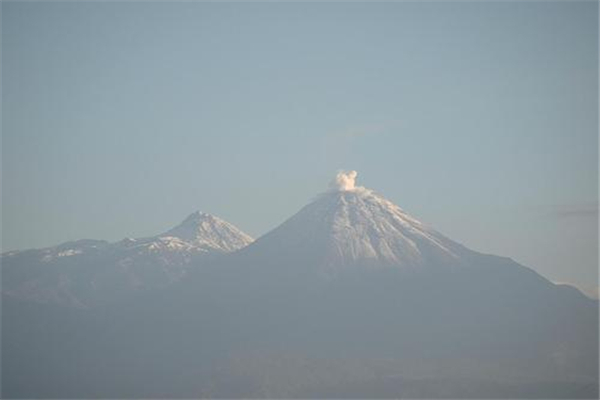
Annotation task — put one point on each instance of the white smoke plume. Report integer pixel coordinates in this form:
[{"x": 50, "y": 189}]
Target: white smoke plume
[{"x": 344, "y": 180}]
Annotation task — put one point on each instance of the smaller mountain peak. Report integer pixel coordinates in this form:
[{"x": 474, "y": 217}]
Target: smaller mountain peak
[
  {"x": 209, "y": 232},
  {"x": 197, "y": 221},
  {"x": 198, "y": 216}
]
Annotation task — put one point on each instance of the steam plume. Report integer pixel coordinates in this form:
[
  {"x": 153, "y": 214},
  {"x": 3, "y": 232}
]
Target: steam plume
[{"x": 344, "y": 180}]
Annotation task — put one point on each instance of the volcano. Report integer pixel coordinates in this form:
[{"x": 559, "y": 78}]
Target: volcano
[
  {"x": 351, "y": 297},
  {"x": 353, "y": 279},
  {"x": 358, "y": 227}
]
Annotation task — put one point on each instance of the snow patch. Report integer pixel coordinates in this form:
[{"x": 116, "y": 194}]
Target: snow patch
[{"x": 68, "y": 253}]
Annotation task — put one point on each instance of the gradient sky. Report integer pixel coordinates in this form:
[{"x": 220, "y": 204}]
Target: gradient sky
[{"x": 480, "y": 119}]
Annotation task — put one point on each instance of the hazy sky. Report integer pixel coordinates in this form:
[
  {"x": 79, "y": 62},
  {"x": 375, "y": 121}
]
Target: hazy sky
[{"x": 480, "y": 119}]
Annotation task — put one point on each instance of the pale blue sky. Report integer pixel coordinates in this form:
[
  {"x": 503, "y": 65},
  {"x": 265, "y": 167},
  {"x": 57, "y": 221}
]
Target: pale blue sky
[{"x": 480, "y": 119}]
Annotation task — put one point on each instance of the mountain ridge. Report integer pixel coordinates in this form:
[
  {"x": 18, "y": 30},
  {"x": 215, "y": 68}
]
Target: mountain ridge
[{"x": 86, "y": 272}]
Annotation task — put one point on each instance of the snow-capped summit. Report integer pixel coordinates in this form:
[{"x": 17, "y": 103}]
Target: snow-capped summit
[
  {"x": 349, "y": 225},
  {"x": 209, "y": 233}
]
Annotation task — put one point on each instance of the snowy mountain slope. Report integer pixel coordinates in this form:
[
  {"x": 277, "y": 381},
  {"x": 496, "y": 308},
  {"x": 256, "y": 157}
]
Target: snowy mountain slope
[
  {"x": 88, "y": 272},
  {"x": 358, "y": 226},
  {"x": 347, "y": 227},
  {"x": 207, "y": 232}
]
